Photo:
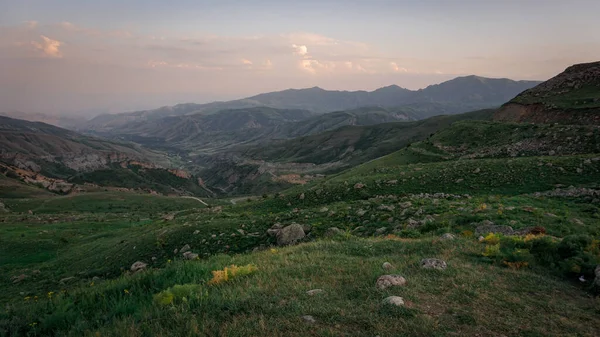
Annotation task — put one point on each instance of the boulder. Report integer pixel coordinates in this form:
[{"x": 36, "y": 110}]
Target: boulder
[
  {"x": 190, "y": 256},
  {"x": 387, "y": 281},
  {"x": 447, "y": 236},
  {"x": 290, "y": 235},
  {"x": 333, "y": 231},
  {"x": 185, "y": 248},
  {"x": 138, "y": 266},
  {"x": 274, "y": 229},
  {"x": 431, "y": 263},
  {"x": 387, "y": 266},
  {"x": 394, "y": 300}
]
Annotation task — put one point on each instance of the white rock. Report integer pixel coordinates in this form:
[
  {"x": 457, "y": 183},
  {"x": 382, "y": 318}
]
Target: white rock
[{"x": 394, "y": 300}]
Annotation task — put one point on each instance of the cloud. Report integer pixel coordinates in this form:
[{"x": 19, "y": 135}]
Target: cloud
[
  {"x": 300, "y": 50},
  {"x": 246, "y": 62},
  {"x": 397, "y": 68},
  {"x": 313, "y": 66},
  {"x": 31, "y": 24},
  {"x": 48, "y": 47}
]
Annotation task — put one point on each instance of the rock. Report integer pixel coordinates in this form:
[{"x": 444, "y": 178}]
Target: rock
[
  {"x": 597, "y": 273},
  {"x": 333, "y": 231},
  {"x": 315, "y": 292},
  {"x": 309, "y": 319},
  {"x": 405, "y": 204},
  {"x": 301, "y": 196},
  {"x": 433, "y": 264},
  {"x": 358, "y": 186},
  {"x": 477, "y": 170},
  {"x": 290, "y": 235},
  {"x": 386, "y": 208},
  {"x": 447, "y": 236},
  {"x": 138, "y": 266},
  {"x": 190, "y": 256},
  {"x": 380, "y": 231},
  {"x": 480, "y": 239},
  {"x": 412, "y": 223},
  {"x": 274, "y": 229},
  {"x": 18, "y": 279},
  {"x": 361, "y": 212},
  {"x": 460, "y": 180},
  {"x": 175, "y": 251},
  {"x": 241, "y": 231},
  {"x": 66, "y": 280},
  {"x": 3, "y": 208},
  {"x": 185, "y": 248},
  {"x": 307, "y": 228},
  {"x": 154, "y": 259},
  {"x": 394, "y": 300},
  {"x": 196, "y": 232},
  {"x": 387, "y": 281},
  {"x": 324, "y": 210},
  {"x": 496, "y": 229},
  {"x": 168, "y": 217},
  {"x": 576, "y": 221},
  {"x": 95, "y": 278},
  {"x": 387, "y": 266}
]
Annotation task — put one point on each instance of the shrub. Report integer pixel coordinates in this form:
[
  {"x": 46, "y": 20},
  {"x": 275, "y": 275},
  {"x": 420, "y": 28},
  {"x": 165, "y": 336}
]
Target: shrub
[
  {"x": 231, "y": 272},
  {"x": 179, "y": 293}
]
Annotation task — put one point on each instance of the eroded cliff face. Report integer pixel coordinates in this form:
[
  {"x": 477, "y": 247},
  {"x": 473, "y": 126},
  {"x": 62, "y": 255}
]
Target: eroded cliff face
[{"x": 540, "y": 113}]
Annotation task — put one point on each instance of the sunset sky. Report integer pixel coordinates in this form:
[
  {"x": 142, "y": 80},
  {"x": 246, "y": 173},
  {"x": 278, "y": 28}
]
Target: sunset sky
[{"x": 76, "y": 56}]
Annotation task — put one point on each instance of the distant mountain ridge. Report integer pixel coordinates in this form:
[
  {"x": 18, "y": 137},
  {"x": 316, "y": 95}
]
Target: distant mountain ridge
[
  {"x": 571, "y": 97},
  {"x": 455, "y": 96}
]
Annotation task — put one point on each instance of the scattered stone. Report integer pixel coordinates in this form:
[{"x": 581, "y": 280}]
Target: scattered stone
[
  {"x": 551, "y": 215},
  {"x": 307, "y": 228},
  {"x": 66, "y": 280},
  {"x": 460, "y": 180},
  {"x": 36, "y": 272},
  {"x": 138, "y": 266},
  {"x": 333, "y": 231},
  {"x": 168, "y": 217},
  {"x": 324, "y": 210},
  {"x": 315, "y": 292},
  {"x": 597, "y": 273},
  {"x": 477, "y": 170},
  {"x": 154, "y": 259},
  {"x": 361, "y": 212},
  {"x": 190, "y": 256},
  {"x": 196, "y": 232},
  {"x": 387, "y": 266},
  {"x": 448, "y": 236},
  {"x": 433, "y": 264},
  {"x": 392, "y": 182},
  {"x": 480, "y": 239},
  {"x": 412, "y": 223},
  {"x": 185, "y": 248},
  {"x": 290, "y": 235},
  {"x": 387, "y": 281},
  {"x": 175, "y": 251},
  {"x": 241, "y": 231},
  {"x": 301, "y": 196},
  {"x": 95, "y": 278},
  {"x": 358, "y": 186},
  {"x": 394, "y": 300},
  {"x": 309, "y": 319}
]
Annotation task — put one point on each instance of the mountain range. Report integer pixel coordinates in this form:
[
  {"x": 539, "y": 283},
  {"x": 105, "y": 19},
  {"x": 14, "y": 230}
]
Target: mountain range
[{"x": 455, "y": 96}]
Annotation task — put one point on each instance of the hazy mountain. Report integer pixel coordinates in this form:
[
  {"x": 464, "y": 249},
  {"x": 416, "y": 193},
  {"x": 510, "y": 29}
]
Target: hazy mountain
[
  {"x": 57, "y": 159},
  {"x": 202, "y": 133},
  {"x": 571, "y": 97},
  {"x": 455, "y": 96},
  {"x": 70, "y": 122}
]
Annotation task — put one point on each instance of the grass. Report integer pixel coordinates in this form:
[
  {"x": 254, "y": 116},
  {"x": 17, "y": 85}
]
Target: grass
[{"x": 470, "y": 297}]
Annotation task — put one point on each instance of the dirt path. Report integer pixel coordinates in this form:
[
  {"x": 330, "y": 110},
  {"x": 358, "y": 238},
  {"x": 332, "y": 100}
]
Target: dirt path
[{"x": 202, "y": 202}]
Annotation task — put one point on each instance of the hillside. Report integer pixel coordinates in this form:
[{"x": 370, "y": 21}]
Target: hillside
[
  {"x": 61, "y": 161},
  {"x": 455, "y": 96},
  {"x": 572, "y": 97}
]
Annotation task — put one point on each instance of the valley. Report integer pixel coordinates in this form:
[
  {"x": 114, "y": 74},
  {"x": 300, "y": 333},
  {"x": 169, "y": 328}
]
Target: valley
[{"x": 457, "y": 210}]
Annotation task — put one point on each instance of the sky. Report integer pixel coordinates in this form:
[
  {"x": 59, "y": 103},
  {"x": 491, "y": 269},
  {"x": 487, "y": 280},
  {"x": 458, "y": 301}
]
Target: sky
[{"x": 87, "y": 57}]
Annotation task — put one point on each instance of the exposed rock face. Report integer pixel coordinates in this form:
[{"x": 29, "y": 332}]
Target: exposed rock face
[
  {"x": 433, "y": 264},
  {"x": 387, "y": 281},
  {"x": 290, "y": 235},
  {"x": 138, "y": 266},
  {"x": 552, "y": 101}
]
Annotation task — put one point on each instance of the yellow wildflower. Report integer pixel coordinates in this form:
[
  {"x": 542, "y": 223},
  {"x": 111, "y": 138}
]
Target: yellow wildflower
[{"x": 126, "y": 291}]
